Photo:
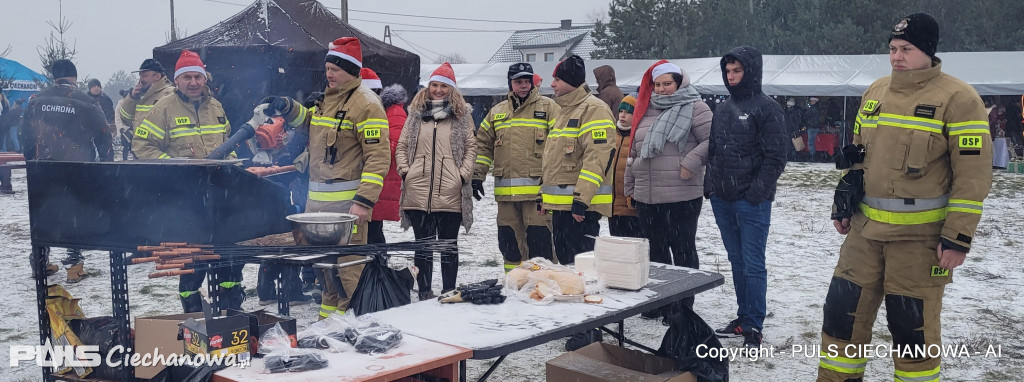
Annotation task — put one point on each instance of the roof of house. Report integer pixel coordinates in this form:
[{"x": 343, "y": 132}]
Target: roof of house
[{"x": 578, "y": 38}]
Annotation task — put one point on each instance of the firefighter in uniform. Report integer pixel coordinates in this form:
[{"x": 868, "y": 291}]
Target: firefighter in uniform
[
  {"x": 189, "y": 123},
  {"x": 511, "y": 137},
  {"x": 577, "y": 158},
  {"x": 63, "y": 124},
  {"x": 925, "y": 166},
  {"x": 349, "y": 153},
  {"x": 153, "y": 85}
]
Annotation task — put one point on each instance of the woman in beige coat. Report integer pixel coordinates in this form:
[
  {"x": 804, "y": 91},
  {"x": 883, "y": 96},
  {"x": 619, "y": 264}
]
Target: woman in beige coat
[{"x": 435, "y": 157}]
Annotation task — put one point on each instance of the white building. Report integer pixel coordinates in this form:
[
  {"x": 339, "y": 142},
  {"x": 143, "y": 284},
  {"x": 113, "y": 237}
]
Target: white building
[{"x": 547, "y": 45}]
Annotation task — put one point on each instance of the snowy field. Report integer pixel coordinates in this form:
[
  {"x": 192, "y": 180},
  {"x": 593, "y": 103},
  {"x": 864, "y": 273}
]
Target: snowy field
[{"x": 983, "y": 306}]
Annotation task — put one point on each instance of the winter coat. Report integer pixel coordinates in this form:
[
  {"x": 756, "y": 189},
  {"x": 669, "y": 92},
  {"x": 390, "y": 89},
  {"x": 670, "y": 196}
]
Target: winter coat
[
  {"x": 578, "y": 154},
  {"x": 349, "y": 154},
  {"x": 133, "y": 110},
  {"x": 1013, "y": 119},
  {"x": 928, "y": 158},
  {"x": 812, "y": 117},
  {"x": 748, "y": 145},
  {"x": 794, "y": 120},
  {"x": 656, "y": 180},
  {"x": 435, "y": 159},
  {"x": 513, "y": 140},
  {"x": 621, "y": 206},
  {"x": 607, "y": 90},
  {"x": 106, "y": 105},
  {"x": 387, "y": 208},
  {"x": 63, "y": 124},
  {"x": 180, "y": 127}
]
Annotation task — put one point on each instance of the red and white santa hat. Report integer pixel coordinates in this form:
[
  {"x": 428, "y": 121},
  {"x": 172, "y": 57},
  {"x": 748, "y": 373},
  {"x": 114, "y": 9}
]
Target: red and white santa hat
[
  {"x": 643, "y": 98},
  {"x": 444, "y": 74},
  {"x": 537, "y": 80},
  {"x": 189, "y": 62},
  {"x": 346, "y": 53},
  {"x": 370, "y": 78}
]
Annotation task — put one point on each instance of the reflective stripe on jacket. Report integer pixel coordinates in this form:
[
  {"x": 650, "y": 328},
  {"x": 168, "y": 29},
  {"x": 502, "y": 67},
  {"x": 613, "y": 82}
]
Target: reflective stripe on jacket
[
  {"x": 179, "y": 127},
  {"x": 133, "y": 111}
]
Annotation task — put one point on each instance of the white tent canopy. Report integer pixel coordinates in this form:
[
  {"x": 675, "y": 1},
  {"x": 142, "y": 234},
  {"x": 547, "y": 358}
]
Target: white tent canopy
[{"x": 991, "y": 73}]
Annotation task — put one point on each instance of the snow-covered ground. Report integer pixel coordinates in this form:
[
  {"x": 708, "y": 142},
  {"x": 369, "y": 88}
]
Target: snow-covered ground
[{"x": 984, "y": 305}]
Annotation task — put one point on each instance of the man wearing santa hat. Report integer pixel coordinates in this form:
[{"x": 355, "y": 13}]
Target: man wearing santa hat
[{"x": 349, "y": 153}]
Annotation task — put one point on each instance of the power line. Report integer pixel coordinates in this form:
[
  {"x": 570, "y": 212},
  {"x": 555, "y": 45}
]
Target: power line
[
  {"x": 449, "y": 29},
  {"x": 415, "y": 46},
  {"x": 451, "y": 18}
]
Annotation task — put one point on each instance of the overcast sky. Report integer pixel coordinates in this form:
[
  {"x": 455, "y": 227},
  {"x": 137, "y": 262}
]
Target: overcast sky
[{"x": 118, "y": 34}]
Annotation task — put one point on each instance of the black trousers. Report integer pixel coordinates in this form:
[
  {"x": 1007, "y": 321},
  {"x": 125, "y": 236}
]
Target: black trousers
[
  {"x": 442, "y": 225},
  {"x": 231, "y": 293},
  {"x": 672, "y": 231},
  {"x": 570, "y": 236},
  {"x": 375, "y": 232},
  {"x": 625, "y": 226},
  {"x": 266, "y": 286}
]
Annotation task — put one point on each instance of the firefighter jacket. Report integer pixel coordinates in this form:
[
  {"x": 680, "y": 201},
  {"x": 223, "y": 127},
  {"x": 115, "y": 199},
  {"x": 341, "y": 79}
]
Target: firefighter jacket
[
  {"x": 349, "y": 149},
  {"x": 928, "y": 158},
  {"x": 63, "y": 124},
  {"x": 578, "y": 154},
  {"x": 133, "y": 111},
  {"x": 182, "y": 127},
  {"x": 512, "y": 139}
]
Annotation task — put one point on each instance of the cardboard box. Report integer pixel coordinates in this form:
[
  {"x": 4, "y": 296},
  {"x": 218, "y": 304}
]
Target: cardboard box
[
  {"x": 217, "y": 336},
  {"x": 160, "y": 333},
  {"x": 261, "y": 321},
  {"x": 599, "y": 362}
]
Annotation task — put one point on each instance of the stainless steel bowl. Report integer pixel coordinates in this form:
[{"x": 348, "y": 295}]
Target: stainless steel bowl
[{"x": 323, "y": 228}]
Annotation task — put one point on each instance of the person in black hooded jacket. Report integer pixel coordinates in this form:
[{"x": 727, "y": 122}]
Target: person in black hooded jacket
[{"x": 747, "y": 153}]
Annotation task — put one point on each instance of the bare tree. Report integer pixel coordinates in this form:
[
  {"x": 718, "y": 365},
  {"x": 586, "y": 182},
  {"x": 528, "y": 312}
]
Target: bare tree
[
  {"x": 118, "y": 81},
  {"x": 56, "y": 46},
  {"x": 6, "y": 78},
  {"x": 453, "y": 58}
]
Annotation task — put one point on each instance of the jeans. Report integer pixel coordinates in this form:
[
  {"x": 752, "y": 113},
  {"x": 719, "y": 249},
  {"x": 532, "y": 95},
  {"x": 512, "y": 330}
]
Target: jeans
[
  {"x": 12, "y": 143},
  {"x": 811, "y": 134},
  {"x": 744, "y": 229}
]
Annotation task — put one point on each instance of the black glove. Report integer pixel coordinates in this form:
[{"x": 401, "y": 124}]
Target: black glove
[
  {"x": 478, "y": 189},
  {"x": 484, "y": 292},
  {"x": 579, "y": 208},
  {"x": 849, "y": 193},
  {"x": 312, "y": 99},
  {"x": 849, "y": 155},
  {"x": 277, "y": 105}
]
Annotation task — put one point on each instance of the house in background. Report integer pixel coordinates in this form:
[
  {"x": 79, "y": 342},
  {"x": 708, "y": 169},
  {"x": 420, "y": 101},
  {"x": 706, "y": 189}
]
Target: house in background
[{"x": 547, "y": 45}]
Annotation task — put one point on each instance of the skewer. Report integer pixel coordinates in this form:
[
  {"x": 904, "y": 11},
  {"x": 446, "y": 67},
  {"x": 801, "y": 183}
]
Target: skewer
[{"x": 178, "y": 272}]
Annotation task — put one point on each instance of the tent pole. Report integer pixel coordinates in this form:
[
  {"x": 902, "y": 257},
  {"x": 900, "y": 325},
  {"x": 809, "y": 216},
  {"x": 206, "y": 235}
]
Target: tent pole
[{"x": 844, "y": 122}]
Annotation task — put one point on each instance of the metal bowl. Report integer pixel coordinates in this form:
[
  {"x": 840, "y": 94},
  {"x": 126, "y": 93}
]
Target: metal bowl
[{"x": 323, "y": 228}]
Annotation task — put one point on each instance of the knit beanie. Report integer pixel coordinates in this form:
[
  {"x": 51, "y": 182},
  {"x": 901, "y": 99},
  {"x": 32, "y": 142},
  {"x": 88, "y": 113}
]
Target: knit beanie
[
  {"x": 346, "y": 53},
  {"x": 919, "y": 29},
  {"x": 572, "y": 71},
  {"x": 628, "y": 104},
  {"x": 63, "y": 68}
]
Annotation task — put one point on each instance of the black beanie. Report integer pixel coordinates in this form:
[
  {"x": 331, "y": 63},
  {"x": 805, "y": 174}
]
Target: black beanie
[
  {"x": 919, "y": 29},
  {"x": 571, "y": 71},
  {"x": 63, "y": 68}
]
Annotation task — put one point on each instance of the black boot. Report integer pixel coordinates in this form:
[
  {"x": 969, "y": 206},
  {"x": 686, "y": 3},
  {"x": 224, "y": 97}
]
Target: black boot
[
  {"x": 580, "y": 340},
  {"x": 193, "y": 303}
]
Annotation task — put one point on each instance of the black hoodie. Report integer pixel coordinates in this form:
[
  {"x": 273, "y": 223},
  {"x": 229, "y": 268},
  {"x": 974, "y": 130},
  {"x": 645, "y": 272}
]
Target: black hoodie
[{"x": 748, "y": 145}]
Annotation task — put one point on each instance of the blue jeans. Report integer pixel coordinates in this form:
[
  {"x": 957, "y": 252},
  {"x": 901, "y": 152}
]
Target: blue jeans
[
  {"x": 12, "y": 141},
  {"x": 744, "y": 229},
  {"x": 811, "y": 133}
]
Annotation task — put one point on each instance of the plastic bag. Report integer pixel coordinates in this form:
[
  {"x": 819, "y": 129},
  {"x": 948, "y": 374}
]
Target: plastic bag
[
  {"x": 381, "y": 287},
  {"x": 539, "y": 281},
  {"x": 686, "y": 332},
  {"x": 281, "y": 357},
  {"x": 102, "y": 332},
  {"x": 378, "y": 339},
  {"x": 336, "y": 333}
]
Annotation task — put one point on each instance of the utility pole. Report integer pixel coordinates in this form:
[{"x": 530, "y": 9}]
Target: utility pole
[
  {"x": 174, "y": 31},
  {"x": 344, "y": 11},
  {"x": 387, "y": 35}
]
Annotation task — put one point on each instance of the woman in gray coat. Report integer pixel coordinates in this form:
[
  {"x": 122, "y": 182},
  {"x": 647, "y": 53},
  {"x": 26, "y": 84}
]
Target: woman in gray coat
[{"x": 665, "y": 169}]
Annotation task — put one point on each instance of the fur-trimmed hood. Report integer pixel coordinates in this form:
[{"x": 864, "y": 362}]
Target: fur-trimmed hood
[{"x": 393, "y": 95}]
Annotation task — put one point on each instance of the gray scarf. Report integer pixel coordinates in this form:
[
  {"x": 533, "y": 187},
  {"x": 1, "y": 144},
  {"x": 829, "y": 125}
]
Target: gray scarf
[
  {"x": 437, "y": 110},
  {"x": 673, "y": 125}
]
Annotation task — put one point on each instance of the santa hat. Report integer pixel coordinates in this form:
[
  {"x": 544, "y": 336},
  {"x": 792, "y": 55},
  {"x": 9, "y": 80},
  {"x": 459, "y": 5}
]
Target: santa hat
[
  {"x": 537, "y": 80},
  {"x": 346, "y": 54},
  {"x": 370, "y": 78},
  {"x": 189, "y": 62},
  {"x": 643, "y": 98},
  {"x": 444, "y": 74}
]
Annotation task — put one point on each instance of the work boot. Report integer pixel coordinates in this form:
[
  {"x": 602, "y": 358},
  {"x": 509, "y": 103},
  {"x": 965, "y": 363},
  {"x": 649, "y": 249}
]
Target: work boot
[
  {"x": 301, "y": 299},
  {"x": 580, "y": 340},
  {"x": 193, "y": 303},
  {"x": 51, "y": 269},
  {"x": 76, "y": 273}
]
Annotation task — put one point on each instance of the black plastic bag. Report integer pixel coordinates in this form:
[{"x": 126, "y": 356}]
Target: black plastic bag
[
  {"x": 381, "y": 287},
  {"x": 102, "y": 332},
  {"x": 687, "y": 330}
]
